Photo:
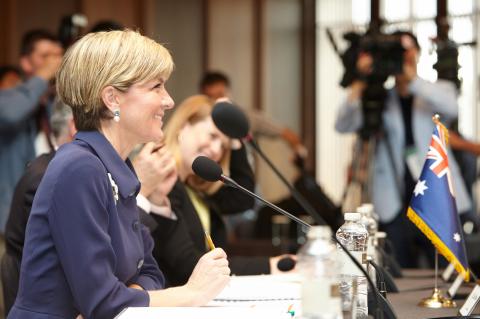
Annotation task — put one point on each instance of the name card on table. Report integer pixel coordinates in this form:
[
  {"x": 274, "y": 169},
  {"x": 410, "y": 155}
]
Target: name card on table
[
  {"x": 447, "y": 273},
  {"x": 452, "y": 291},
  {"x": 471, "y": 302}
]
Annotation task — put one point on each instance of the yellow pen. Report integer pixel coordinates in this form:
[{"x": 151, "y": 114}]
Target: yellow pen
[{"x": 209, "y": 241}]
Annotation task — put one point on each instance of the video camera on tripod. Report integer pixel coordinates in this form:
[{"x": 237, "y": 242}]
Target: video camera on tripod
[
  {"x": 387, "y": 52},
  {"x": 447, "y": 63}
]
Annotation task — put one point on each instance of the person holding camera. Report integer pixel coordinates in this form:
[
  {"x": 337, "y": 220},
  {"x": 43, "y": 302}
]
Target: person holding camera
[
  {"x": 401, "y": 144},
  {"x": 22, "y": 109}
]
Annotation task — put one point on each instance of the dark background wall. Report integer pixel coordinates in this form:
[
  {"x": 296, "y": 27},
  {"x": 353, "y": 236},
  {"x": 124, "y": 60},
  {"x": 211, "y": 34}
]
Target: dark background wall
[{"x": 260, "y": 44}]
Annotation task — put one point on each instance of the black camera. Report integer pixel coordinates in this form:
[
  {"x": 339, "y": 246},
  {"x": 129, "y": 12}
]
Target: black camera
[{"x": 387, "y": 53}]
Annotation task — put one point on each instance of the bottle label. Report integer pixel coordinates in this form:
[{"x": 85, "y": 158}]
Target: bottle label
[
  {"x": 321, "y": 296},
  {"x": 347, "y": 265}
]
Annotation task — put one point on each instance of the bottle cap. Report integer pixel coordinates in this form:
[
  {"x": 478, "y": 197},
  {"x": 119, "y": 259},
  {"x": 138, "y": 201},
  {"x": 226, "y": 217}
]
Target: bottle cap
[
  {"x": 366, "y": 208},
  {"x": 319, "y": 232},
  {"x": 351, "y": 216}
]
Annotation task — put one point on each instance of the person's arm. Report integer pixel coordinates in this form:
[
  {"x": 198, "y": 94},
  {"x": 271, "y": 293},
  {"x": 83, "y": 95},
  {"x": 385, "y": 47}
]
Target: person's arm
[
  {"x": 209, "y": 277},
  {"x": 148, "y": 277},
  {"x": 261, "y": 125},
  {"x": 79, "y": 224},
  {"x": 175, "y": 250},
  {"x": 440, "y": 96},
  {"x": 229, "y": 200},
  {"x": 458, "y": 143},
  {"x": 349, "y": 116},
  {"x": 20, "y": 102},
  {"x": 146, "y": 219}
]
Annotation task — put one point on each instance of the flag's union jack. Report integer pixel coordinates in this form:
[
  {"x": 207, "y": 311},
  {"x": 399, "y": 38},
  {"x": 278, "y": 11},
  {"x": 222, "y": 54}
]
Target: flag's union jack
[{"x": 438, "y": 153}]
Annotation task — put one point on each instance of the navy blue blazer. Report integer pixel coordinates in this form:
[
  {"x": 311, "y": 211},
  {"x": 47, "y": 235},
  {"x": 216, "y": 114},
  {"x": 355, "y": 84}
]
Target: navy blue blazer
[{"x": 84, "y": 242}]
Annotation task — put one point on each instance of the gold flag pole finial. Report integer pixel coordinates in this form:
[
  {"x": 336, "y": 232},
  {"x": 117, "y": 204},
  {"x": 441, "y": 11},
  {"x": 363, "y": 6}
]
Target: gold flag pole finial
[{"x": 436, "y": 120}]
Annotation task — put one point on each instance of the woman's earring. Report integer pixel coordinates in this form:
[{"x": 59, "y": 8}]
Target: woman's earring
[{"x": 116, "y": 115}]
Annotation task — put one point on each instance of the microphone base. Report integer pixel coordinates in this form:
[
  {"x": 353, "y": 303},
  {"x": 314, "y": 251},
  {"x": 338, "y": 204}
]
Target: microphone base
[
  {"x": 389, "y": 282},
  {"x": 385, "y": 307}
]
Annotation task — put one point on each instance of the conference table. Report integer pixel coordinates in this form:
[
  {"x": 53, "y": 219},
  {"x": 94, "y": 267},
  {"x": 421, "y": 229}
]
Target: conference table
[
  {"x": 285, "y": 296},
  {"x": 418, "y": 284}
]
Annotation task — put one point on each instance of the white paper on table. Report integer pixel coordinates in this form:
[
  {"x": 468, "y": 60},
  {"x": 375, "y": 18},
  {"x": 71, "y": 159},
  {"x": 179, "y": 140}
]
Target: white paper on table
[
  {"x": 261, "y": 288},
  {"x": 204, "y": 313},
  {"x": 265, "y": 296}
]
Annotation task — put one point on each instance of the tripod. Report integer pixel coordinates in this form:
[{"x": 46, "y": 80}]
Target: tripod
[{"x": 369, "y": 137}]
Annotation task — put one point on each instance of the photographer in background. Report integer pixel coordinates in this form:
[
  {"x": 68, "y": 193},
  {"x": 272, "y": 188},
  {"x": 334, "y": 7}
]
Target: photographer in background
[
  {"x": 23, "y": 110},
  {"x": 402, "y": 142}
]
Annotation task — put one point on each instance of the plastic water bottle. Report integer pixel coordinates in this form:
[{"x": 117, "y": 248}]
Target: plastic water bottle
[
  {"x": 318, "y": 266},
  {"x": 368, "y": 218},
  {"x": 371, "y": 224},
  {"x": 353, "y": 235},
  {"x": 371, "y": 210}
]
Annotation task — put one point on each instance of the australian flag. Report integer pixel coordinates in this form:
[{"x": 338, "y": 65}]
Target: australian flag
[{"x": 432, "y": 207}]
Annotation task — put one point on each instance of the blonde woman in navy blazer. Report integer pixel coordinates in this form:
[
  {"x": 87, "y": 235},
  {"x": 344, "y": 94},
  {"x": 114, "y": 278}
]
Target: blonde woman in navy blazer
[{"x": 86, "y": 253}]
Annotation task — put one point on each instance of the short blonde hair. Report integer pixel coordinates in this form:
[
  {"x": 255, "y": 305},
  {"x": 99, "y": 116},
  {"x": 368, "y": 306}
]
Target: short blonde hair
[
  {"x": 193, "y": 110},
  {"x": 116, "y": 58}
]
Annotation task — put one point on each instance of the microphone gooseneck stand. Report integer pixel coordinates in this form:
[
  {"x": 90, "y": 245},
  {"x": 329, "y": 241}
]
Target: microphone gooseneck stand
[
  {"x": 383, "y": 306},
  {"x": 211, "y": 171}
]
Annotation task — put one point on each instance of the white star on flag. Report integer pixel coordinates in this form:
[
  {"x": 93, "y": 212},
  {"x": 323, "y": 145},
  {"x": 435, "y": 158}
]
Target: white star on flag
[
  {"x": 420, "y": 188},
  {"x": 457, "y": 237}
]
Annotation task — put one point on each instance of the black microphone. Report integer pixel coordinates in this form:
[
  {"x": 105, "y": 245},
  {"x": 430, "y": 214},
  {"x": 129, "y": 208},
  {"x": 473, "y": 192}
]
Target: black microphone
[
  {"x": 207, "y": 169},
  {"x": 286, "y": 264},
  {"x": 212, "y": 172},
  {"x": 230, "y": 120},
  {"x": 233, "y": 122}
]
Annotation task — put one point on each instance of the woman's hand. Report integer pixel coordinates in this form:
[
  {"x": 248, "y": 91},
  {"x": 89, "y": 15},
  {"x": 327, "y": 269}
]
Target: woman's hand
[
  {"x": 210, "y": 276},
  {"x": 155, "y": 167}
]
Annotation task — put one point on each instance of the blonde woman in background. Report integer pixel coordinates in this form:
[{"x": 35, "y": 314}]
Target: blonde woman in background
[{"x": 198, "y": 205}]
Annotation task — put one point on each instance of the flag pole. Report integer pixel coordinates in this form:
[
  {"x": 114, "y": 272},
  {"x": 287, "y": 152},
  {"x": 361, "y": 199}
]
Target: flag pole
[
  {"x": 437, "y": 299},
  {"x": 436, "y": 269}
]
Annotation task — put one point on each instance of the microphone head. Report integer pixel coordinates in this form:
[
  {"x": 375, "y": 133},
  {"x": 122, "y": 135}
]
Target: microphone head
[
  {"x": 286, "y": 264},
  {"x": 207, "y": 169},
  {"x": 231, "y": 120}
]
